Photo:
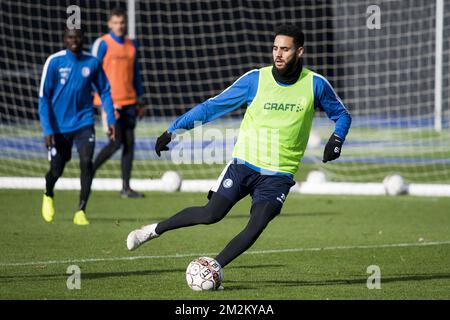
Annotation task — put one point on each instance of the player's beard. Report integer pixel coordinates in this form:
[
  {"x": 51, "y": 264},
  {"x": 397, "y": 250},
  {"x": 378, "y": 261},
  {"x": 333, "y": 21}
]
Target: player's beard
[{"x": 290, "y": 73}]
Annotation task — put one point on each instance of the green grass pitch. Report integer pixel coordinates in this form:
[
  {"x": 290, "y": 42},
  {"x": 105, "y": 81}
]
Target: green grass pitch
[{"x": 318, "y": 248}]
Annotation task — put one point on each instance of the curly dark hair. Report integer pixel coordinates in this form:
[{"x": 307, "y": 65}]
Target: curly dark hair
[{"x": 293, "y": 31}]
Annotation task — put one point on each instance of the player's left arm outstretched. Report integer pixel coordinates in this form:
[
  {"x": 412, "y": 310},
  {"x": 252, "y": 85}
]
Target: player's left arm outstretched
[{"x": 327, "y": 100}]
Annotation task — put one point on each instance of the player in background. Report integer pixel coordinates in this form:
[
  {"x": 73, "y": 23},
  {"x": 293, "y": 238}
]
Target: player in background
[
  {"x": 67, "y": 116},
  {"x": 282, "y": 97},
  {"x": 118, "y": 55}
]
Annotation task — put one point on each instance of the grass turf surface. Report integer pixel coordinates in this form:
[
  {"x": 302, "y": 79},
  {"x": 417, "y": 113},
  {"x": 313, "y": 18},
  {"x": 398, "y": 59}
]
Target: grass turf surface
[{"x": 413, "y": 272}]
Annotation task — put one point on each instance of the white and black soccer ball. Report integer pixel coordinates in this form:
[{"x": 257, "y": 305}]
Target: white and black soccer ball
[
  {"x": 204, "y": 273},
  {"x": 395, "y": 185}
]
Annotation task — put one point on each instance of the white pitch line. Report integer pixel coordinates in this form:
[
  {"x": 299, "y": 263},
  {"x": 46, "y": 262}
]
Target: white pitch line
[{"x": 87, "y": 260}]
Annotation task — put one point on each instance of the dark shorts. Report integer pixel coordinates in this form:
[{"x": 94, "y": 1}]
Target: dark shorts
[
  {"x": 238, "y": 180},
  {"x": 84, "y": 139}
]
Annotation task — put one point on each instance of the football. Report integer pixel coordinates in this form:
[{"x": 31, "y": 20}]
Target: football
[
  {"x": 316, "y": 176},
  {"x": 204, "y": 274},
  {"x": 172, "y": 181},
  {"x": 395, "y": 185}
]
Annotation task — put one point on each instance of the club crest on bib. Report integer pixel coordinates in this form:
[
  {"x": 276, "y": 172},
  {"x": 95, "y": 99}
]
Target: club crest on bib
[{"x": 227, "y": 183}]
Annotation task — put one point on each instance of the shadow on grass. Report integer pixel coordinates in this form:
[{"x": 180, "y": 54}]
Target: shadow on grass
[
  {"x": 230, "y": 285},
  {"x": 88, "y": 275},
  {"x": 334, "y": 282},
  {"x": 240, "y": 215},
  {"x": 103, "y": 275},
  {"x": 288, "y": 214},
  {"x": 256, "y": 266},
  {"x": 118, "y": 220},
  {"x": 114, "y": 220}
]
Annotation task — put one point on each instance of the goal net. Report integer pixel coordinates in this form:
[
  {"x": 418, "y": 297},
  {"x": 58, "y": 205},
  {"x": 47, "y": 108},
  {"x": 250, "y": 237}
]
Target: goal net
[{"x": 192, "y": 50}]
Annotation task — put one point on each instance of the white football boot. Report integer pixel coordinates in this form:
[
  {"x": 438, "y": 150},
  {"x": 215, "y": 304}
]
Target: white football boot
[{"x": 140, "y": 236}]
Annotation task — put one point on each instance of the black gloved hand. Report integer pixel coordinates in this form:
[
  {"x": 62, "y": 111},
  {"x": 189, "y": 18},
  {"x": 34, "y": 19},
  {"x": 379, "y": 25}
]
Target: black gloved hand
[
  {"x": 332, "y": 149},
  {"x": 162, "y": 142}
]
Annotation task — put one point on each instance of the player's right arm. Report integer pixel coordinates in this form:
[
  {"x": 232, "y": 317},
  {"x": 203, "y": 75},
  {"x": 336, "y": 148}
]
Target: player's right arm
[
  {"x": 228, "y": 100},
  {"x": 46, "y": 89}
]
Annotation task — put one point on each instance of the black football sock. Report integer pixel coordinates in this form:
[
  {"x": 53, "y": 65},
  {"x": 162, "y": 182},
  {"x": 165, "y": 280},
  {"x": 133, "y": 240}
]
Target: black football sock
[
  {"x": 212, "y": 212},
  {"x": 109, "y": 149},
  {"x": 260, "y": 216},
  {"x": 127, "y": 157},
  {"x": 86, "y": 176},
  {"x": 57, "y": 165}
]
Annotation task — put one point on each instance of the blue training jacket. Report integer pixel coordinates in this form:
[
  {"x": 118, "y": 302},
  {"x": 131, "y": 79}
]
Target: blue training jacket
[
  {"x": 243, "y": 91},
  {"x": 65, "y": 93}
]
